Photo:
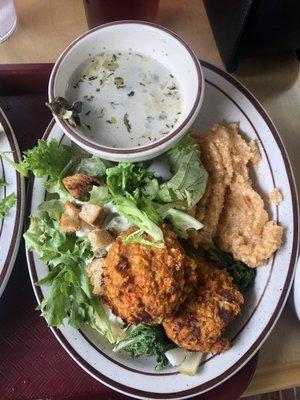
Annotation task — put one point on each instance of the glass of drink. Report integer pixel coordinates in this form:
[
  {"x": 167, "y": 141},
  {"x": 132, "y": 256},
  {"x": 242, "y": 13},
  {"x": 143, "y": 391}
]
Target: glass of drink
[
  {"x": 101, "y": 11},
  {"x": 8, "y": 19}
]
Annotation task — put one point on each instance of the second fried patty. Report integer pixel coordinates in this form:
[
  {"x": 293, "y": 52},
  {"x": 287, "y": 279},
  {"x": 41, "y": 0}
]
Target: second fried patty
[
  {"x": 201, "y": 319},
  {"x": 143, "y": 283}
]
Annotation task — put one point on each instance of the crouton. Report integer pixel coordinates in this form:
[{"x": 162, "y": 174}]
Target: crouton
[
  {"x": 94, "y": 273},
  {"x": 79, "y": 185},
  {"x": 100, "y": 238},
  {"x": 92, "y": 215},
  {"x": 69, "y": 220}
]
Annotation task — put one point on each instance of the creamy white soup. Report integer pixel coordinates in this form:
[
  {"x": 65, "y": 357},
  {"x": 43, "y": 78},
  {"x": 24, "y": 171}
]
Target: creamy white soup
[{"x": 129, "y": 99}]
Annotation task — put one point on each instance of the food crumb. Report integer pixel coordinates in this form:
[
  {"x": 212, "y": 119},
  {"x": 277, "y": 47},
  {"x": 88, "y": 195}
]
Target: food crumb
[
  {"x": 256, "y": 157},
  {"x": 275, "y": 197}
]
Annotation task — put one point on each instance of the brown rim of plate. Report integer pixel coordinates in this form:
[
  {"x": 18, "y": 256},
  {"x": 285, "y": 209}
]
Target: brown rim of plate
[
  {"x": 262, "y": 337},
  {"x": 19, "y": 203},
  {"x": 110, "y": 150}
]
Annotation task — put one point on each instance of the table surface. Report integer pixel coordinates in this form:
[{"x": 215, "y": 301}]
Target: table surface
[{"x": 46, "y": 27}]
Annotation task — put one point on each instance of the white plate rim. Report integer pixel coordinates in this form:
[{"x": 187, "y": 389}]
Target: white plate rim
[
  {"x": 7, "y": 267},
  {"x": 268, "y": 328}
]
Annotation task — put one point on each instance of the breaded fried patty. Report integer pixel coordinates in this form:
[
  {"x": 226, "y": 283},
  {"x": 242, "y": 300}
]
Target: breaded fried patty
[
  {"x": 144, "y": 283},
  {"x": 232, "y": 212},
  {"x": 201, "y": 319}
]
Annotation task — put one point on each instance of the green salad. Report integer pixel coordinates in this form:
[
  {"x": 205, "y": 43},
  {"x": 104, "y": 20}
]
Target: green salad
[{"x": 134, "y": 193}]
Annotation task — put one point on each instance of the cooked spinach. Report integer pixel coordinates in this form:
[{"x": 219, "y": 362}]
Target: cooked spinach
[
  {"x": 242, "y": 275},
  {"x": 147, "y": 340}
]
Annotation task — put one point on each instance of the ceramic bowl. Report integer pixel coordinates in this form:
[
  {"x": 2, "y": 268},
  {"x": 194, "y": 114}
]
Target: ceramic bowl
[{"x": 139, "y": 37}]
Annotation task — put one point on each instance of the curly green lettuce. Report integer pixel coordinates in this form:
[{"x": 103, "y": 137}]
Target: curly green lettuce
[{"x": 70, "y": 298}]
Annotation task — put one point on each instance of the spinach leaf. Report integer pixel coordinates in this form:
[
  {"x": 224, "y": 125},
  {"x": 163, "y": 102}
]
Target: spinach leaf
[
  {"x": 242, "y": 275},
  {"x": 147, "y": 340}
]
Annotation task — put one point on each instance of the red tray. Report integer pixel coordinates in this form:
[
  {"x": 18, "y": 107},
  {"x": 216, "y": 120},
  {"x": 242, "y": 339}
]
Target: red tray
[{"x": 33, "y": 365}]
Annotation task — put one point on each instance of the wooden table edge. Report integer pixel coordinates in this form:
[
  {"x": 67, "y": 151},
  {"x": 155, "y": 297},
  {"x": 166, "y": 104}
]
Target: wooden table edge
[{"x": 274, "y": 378}]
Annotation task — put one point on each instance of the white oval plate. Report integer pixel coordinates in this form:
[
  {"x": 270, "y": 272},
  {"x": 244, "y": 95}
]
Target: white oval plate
[
  {"x": 225, "y": 100},
  {"x": 11, "y": 225}
]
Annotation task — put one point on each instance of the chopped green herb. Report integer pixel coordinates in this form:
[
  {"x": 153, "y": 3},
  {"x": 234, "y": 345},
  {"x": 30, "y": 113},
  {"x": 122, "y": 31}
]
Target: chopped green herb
[
  {"x": 114, "y": 105},
  {"x": 163, "y": 115},
  {"x": 127, "y": 122},
  {"x": 102, "y": 112},
  {"x": 112, "y": 120},
  {"x": 76, "y": 85},
  {"x": 131, "y": 94},
  {"x": 92, "y": 78},
  {"x": 142, "y": 84},
  {"x": 88, "y": 112},
  {"x": 119, "y": 82},
  {"x": 110, "y": 65},
  {"x": 87, "y": 126}
]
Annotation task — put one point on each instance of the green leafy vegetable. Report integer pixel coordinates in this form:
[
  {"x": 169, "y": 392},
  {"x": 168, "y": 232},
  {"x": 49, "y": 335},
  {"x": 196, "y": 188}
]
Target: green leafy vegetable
[
  {"x": 53, "y": 208},
  {"x": 47, "y": 158},
  {"x": 60, "y": 107},
  {"x": 6, "y": 204},
  {"x": 2, "y": 183},
  {"x": 127, "y": 178},
  {"x": 136, "y": 237},
  {"x": 70, "y": 295},
  {"x": 127, "y": 207},
  {"x": 93, "y": 166},
  {"x": 242, "y": 275},
  {"x": 146, "y": 340},
  {"x": 188, "y": 183},
  {"x": 181, "y": 221},
  {"x": 99, "y": 195},
  {"x": 125, "y": 183}
]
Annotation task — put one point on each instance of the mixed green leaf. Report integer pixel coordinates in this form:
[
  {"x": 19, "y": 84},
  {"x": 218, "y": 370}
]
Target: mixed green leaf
[
  {"x": 6, "y": 204},
  {"x": 70, "y": 295},
  {"x": 146, "y": 340},
  {"x": 242, "y": 275}
]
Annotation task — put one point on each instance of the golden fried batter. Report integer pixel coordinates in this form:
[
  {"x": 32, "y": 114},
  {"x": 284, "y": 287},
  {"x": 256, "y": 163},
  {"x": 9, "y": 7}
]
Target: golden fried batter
[
  {"x": 145, "y": 284},
  {"x": 231, "y": 211},
  {"x": 244, "y": 227},
  {"x": 201, "y": 319}
]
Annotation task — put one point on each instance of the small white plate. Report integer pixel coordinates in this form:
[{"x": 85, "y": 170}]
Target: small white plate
[
  {"x": 11, "y": 225},
  {"x": 225, "y": 100}
]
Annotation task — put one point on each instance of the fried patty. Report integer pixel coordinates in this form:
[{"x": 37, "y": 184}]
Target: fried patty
[
  {"x": 232, "y": 212},
  {"x": 143, "y": 283},
  {"x": 201, "y": 319}
]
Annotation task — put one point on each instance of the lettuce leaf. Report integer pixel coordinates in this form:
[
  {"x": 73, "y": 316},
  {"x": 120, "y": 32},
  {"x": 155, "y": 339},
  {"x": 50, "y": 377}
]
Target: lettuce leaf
[
  {"x": 127, "y": 207},
  {"x": 99, "y": 195},
  {"x": 6, "y": 204},
  {"x": 70, "y": 297},
  {"x": 180, "y": 221},
  {"x": 137, "y": 237},
  {"x": 47, "y": 158},
  {"x": 2, "y": 183},
  {"x": 188, "y": 183},
  {"x": 127, "y": 178}
]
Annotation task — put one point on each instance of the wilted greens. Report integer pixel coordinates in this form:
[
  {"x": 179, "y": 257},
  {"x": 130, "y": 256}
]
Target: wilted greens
[
  {"x": 146, "y": 340},
  {"x": 242, "y": 275}
]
